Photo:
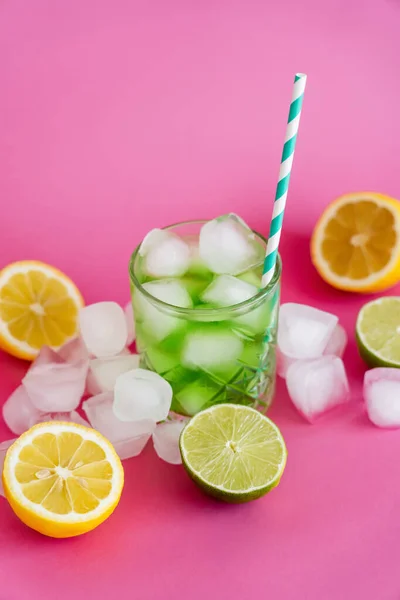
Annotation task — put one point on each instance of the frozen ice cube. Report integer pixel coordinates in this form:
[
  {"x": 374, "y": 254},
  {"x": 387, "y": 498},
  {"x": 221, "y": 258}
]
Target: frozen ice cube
[
  {"x": 211, "y": 349},
  {"x": 335, "y": 345},
  {"x": 141, "y": 394},
  {"x": 193, "y": 397},
  {"x": 164, "y": 254},
  {"x": 228, "y": 245},
  {"x": 130, "y": 323},
  {"x": 4, "y": 446},
  {"x": 152, "y": 239},
  {"x": 304, "y": 331},
  {"x": 72, "y": 417},
  {"x": 382, "y": 396},
  {"x": 74, "y": 351},
  {"x": 103, "y": 328},
  {"x": 226, "y": 290},
  {"x": 316, "y": 386},
  {"x": 103, "y": 372},
  {"x": 156, "y": 320},
  {"x": 337, "y": 342},
  {"x": 128, "y": 438},
  {"x": 54, "y": 385},
  {"x": 19, "y": 413},
  {"x": 166, "y": 441}
]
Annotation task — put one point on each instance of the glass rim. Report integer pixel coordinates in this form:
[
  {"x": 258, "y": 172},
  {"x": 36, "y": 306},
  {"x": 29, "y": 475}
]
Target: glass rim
[{"x": 205, "y": 312}]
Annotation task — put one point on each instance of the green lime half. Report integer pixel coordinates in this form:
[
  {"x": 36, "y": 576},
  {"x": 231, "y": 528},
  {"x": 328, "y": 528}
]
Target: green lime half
[
  {"x": 378, "y": 332},
  {"x": 233, "y": 452}
]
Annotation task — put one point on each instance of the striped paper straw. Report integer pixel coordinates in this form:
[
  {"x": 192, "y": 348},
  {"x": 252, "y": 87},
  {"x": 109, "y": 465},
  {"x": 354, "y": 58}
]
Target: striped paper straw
[{"x": 284, "y": 177}]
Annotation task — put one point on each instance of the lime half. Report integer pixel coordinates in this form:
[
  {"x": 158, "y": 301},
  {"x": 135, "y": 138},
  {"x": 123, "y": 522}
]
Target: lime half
[
  {"x": 233, "y": 452},
  {"x": 378, "y": 332}
]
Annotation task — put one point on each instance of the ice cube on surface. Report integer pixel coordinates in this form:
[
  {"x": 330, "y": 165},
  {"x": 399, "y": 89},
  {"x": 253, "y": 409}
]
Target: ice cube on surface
[
  {"x": 165, "y": 254},
  {"x": 130, "y": 323},
  {"x": 337, "y": 342},
  {"x": 103, "y": 328},
  {"x": 382, "y": 396},
  {"x": 4, "y": 446},
  {"x": 128, "y": 438},
  {"x": 156, "y": 320},
  {"x": 19, "y": 413},
  {"x": 335, "y": 345},
  {"x": 228, "y": 245},
  {"x": 74, "y": 351},
  {"x": 54, "y": 385},
  {"x": 69, "y": 417},
  {"x": 316, "y": 386},
  {"x": 141, "y": 395},
  {"x": 103, "y": 372},
  {"x": 304, "y": 331},
  {"x": 211, "y": 349},
  {"x": 166, "y": 441}
]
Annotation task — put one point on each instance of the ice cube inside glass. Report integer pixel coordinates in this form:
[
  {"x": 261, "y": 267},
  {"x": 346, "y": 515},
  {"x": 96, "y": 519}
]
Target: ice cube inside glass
[{"x": 210, "y": 350}]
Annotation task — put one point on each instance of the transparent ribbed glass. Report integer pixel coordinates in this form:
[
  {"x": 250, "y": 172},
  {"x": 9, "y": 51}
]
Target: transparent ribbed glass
[{"x": 209, "y": 355}]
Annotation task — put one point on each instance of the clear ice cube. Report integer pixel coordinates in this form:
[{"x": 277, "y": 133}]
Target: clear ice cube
[
  {"x": 69, "y": 417},
  {"x": 74, "y": 351},
  {"x": 130, "y": 323},
  {"x": 316, "y": 386},
  {"x": 335, "y": 346},
  {"x": 19, "y": 413},
  {"x": 193, "y": 397},
  {"x": 155, "y": 319},
  {"x": 211, "y": 349},
  {"x": 103, "y": 372},
  {"x": 228, "y": 245},
  {"x": 164, "y": 254},
  {"x": 103, "y": 328},
  {"x": 54, "y": 385},
  {"x": 128, "y": 438},
  {"x": 382, "y": 396},
  {"x": 4, "y": 446},
  {"x": 166, "y": 441},
  {"x": 303, "y": 333},
  {"x": 226, "y": 290},
  {"x": 141, "y": 394},
  {"x": 337, "y": 342}
]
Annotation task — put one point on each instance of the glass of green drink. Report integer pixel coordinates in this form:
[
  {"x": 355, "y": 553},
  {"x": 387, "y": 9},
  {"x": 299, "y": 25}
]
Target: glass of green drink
[{"x": 201, "y": 320}]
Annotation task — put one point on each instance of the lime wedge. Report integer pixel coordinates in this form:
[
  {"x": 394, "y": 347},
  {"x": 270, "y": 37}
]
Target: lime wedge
[
  {"x": 233, "y": 452},
  {"x": 378, "y": 332}
]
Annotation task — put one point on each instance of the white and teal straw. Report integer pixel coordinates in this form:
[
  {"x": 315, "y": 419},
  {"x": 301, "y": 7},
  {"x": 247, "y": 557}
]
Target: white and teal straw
[{"x": 284, "y": 177}]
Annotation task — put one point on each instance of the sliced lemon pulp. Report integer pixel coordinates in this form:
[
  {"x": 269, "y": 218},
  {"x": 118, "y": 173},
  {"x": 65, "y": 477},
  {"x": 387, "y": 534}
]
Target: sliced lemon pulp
[
  {"x": 62, "y": 479},
  {"x": 39, "y": 306},
  {"x": 356, "y": 243}
]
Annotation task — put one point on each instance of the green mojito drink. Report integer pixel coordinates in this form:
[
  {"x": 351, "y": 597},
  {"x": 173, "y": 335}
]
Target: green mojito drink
[{"x": 202, "y": 321}]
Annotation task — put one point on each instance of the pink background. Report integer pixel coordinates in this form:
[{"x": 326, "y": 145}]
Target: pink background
[{"x": 117, "y": 116}]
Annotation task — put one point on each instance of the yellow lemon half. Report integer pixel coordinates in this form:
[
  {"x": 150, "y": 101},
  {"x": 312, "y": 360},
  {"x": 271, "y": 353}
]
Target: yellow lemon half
[
  {"x": 62, "y": 479},
  {"x": 39, "y": 306},
  {"x": 355, "y": 245}
]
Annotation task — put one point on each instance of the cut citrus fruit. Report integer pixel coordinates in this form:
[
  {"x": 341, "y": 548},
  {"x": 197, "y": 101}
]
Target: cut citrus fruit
[
  {"x": 355, "y": 245},
  {"x": 378, "y": 332},
  {"x": 62, "y": 479},
  {"x": 39, "y": 306},
  {"x": 233, "y": 452}
]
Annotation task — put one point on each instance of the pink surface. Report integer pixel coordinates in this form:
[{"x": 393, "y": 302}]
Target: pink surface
[{"x": 117, "y": 116}]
